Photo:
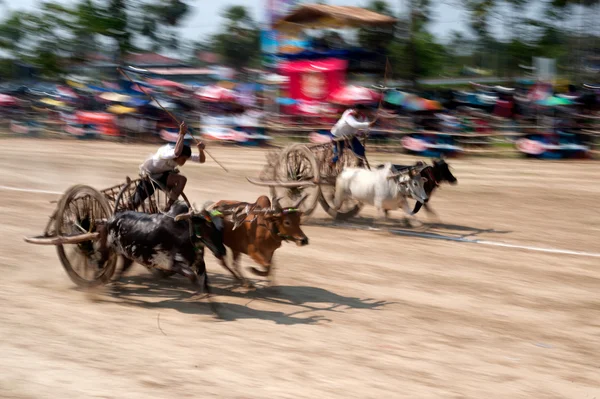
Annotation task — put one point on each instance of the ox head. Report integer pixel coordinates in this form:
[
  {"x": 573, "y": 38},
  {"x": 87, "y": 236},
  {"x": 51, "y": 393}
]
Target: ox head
[
  {"x": 287, "y": 220},
  {"x": 442, "y": 171},
  {"x": 207, "y": 225},
  {"x": 416, "y": 186},
  {"x": 412, "y": 183},
  {"x": 285, "y": 224}
]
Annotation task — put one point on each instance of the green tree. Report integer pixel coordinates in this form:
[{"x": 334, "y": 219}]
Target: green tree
[
  {"x": 12, "y": 32},
  {"x": 418, "y": 37},
  {"x": 159, "y": 20},
  {"x": 377, "y": 39},
  {"x": 238, "y": 43},
  {"x": 36, "y": 37},
  {"x": 55, "y": 35}
]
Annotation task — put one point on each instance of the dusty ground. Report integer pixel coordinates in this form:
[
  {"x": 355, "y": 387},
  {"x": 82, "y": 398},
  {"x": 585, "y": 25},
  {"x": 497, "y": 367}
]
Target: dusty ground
[{"x": 356, "y": 313}]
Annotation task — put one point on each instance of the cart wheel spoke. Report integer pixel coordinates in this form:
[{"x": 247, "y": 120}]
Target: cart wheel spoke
[
  {"x": 296, "y": 163},
  {"x": 78, "y": 211}
]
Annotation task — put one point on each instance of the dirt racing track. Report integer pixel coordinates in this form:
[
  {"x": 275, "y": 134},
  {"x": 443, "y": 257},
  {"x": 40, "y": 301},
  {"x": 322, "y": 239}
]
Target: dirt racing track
[{"x": 430, "y": 311}]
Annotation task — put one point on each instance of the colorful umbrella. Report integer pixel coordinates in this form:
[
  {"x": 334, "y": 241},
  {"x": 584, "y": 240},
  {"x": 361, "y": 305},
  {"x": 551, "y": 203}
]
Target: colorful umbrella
[
  {"x": 554, "y": 101},
  {"x": 395, "y": 97},
  {"x": 65, "y": 91},
  {"x": 75, "y": 84},
  {"x": 215, "y": 94},
  {"x": 285, "y": 101},
  {"x": 415, "y": 104},
  {"x": 137, "y": 102},
  {"x": 164, "y": 83},
  {"x": 312, "y": 108},
  {"x": 7, "y": 101},
  {"x": 163, "y": 104},
  {"x": 52, "y": 102},
  {"x": 120, "y": 110},
  {"x": 226, "y": 84},
  {"x": 115, "y": 97},
  {"x": 352, "y": 95}
]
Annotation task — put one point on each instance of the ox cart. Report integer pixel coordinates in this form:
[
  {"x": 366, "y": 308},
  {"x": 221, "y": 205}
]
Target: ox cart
[
  {"x": 73, "y": 226},
  {"x": 305, "y": 170}
]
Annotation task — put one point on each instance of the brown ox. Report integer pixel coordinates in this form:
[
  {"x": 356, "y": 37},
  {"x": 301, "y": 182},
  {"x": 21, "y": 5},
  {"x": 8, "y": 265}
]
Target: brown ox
[{"x": 260, "y": 233}]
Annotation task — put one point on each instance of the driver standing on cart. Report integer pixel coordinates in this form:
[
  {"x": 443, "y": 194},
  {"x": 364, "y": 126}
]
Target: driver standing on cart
[
  {"x": 352, "y": 120},
  {"x": 161, "y": 170}
]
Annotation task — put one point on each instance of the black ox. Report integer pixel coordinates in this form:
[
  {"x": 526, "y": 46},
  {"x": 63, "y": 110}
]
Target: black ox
[
  {"x": 436, "y": 174},
  {"x": 160, "y": 241}
]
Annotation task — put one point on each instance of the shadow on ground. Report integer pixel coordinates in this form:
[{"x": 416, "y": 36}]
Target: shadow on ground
[
  {"x": 439, "y": 230},
  {"x": 177, "y": 293}
]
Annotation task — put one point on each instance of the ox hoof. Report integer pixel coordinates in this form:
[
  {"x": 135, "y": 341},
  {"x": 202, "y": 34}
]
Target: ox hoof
[{"x": 259, "y": 272}]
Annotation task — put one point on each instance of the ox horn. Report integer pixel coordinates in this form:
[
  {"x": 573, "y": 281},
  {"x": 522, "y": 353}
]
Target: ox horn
[
  {"x": 276, "y": 205},
  {"x": 261, "y": 211},
  {"x": 300, "y": 201},
  {"x": 394, "y": 175},
  {"x": 413, "y": 172},
  {"x": 291, "y": 184},
  {"x": 183, "y": 216}
]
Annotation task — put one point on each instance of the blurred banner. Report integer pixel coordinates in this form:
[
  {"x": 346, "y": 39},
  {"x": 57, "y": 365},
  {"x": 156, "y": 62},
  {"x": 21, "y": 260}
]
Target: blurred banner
[
  {"x": 273, "y": 42},
  {"x": 268, "y": 45},
  {"x": 313, "y": 80}
]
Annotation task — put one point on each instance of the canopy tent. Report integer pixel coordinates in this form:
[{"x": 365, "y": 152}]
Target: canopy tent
[
  {"x": 351, "y": 95},
  {"x": 320, "y": 16}
]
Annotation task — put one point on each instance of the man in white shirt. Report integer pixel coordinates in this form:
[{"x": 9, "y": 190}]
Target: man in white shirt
[
  {"x": 352, "y": 121},
  {"x": 161, "y": 168}
]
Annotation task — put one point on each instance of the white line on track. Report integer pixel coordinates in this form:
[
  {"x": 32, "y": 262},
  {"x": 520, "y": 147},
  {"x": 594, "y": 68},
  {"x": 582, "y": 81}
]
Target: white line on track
[
  {"x": 403, "y": 232},
  {"x": 29, "y": 190},
  {"x": 497, "y": 244},
  {"x": 538, "y": 249}
]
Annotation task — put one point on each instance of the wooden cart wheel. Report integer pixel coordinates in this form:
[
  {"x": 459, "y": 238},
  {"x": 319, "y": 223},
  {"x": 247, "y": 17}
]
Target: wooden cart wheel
[
  {"x": 297, "y": 163},
  {"x": 350, "y": 208},
  {"x": 81, "y": 210}
]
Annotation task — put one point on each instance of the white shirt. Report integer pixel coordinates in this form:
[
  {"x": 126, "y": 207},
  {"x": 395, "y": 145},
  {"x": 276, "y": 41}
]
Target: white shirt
[
  {"x": 348, "y": 125},
  {"x": 163, "y": 160}
]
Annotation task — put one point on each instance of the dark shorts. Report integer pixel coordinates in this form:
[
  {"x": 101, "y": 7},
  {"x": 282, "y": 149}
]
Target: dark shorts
[
  {"x": 146, "y": 187},
  {"x": 355, "y": 144}
]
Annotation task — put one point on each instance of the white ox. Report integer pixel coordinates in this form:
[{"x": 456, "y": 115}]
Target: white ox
[{"x": 383, "y": 188}]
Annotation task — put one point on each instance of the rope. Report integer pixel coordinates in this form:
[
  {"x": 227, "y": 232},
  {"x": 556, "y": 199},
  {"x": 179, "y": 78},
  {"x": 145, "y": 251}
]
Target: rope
[{"x": 172, "y": 117}]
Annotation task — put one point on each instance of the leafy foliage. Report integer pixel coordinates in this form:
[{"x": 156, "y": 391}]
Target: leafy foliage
[
  {"x": 56, "y": 34},
  {"x": 238, "y": 43}
]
